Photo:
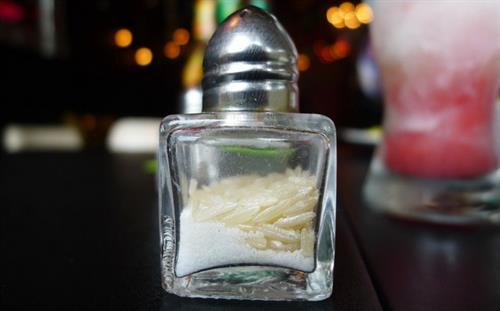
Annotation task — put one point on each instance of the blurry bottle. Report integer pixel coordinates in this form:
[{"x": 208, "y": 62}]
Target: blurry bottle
[
  {"x": 207, "y": 13},
  {"x": 203, "y": 26},
  {"x": 224, "y": 8}
]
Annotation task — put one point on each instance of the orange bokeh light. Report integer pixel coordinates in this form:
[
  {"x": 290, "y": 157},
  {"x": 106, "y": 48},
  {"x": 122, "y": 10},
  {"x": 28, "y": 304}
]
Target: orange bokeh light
[
  {"x": 171, "y": 50},
  {"x": 143, "y": 56},
  {"x": 340, "y": 49},
  {"x": 181, "y": 36},
  {"x": 123, "y": 38},
  {"x": 303, "y": 62}
]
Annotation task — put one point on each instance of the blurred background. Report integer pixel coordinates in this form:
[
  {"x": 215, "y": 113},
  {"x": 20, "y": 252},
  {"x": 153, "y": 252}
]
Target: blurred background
[{"x": 92, "y": 74}]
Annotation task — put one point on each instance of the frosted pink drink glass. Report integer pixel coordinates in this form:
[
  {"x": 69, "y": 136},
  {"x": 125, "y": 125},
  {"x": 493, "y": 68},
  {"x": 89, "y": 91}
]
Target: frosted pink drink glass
[{"x": 439, "y": 62}]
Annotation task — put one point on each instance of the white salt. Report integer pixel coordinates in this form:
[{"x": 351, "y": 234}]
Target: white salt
[{"x": 204, "y": 245}]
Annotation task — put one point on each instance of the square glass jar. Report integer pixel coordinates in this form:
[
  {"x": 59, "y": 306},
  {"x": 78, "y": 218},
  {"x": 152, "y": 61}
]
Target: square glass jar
[{"x": 247, "y": 205}]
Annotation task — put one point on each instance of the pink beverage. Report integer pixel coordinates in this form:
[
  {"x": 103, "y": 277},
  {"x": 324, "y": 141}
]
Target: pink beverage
[{"x": 439, "y": 62}]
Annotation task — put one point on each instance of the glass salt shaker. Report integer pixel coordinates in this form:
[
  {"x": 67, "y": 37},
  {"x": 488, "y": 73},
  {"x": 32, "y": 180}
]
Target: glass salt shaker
[{"x": 247, "y": 188}]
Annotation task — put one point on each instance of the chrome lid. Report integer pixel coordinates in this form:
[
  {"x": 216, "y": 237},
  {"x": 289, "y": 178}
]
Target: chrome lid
[{"x": 250, "y": 65}]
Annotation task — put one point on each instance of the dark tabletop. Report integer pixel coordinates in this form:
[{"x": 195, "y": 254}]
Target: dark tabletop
[
  {"x": 417, "y": 266},
  {"x": 79, "y": 231}
]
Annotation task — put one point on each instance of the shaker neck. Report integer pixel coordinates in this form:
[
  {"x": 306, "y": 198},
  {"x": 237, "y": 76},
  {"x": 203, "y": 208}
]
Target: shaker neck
[{"x": 262, "y": 96}]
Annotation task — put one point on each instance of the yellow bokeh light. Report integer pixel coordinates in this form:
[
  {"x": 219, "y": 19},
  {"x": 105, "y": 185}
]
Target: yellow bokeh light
[
  {"x": 181, "y": 36},
  {"x": 331, "y": 14},
  {"x": 351, "y": 21},
  {"x": 347, "y": 15},
  {"x": 143, "y": 56},
  {"x": 303, "y": 62},
  {"x": 171, "y": 50},
  {"x": 339, "y": 24},
  {"x": 346, "y": 7},
  {"x": 364, "y": 13},
  {"x": 123, "y": 38},
  {"x": 335, "y": 16}
]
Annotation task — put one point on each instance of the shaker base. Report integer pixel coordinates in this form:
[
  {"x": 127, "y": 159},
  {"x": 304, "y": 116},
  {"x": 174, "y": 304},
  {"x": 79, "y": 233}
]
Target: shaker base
[
  {"x": 254, "y": 283},
  {"x": 445, "y": 201}
]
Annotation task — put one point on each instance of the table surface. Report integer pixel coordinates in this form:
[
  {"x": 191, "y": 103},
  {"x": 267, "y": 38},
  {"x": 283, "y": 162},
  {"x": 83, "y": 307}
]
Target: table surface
[{"x": 79, "y": 231}]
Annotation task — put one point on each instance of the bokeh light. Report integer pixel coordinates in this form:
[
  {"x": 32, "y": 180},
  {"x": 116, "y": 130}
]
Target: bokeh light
[
  {"x": 351, "y": 21},
  {"x": 340, "y": 49},
  {"x": 346, "y": 7},
  {"x": 328, "y": 53},
  {"x": 181, "y": 36},
  {"x": 123, "y": 38},
  {"x": 348, "y": 15},
  {"x": 325, "y": 55},
  {"x": 364, "y": 13},
  {"x": 303, "y": 62},
  {"x": 333, "y": 16},
  {"x": 171, "y": 50},
  {"x": 143, "y": 56}
]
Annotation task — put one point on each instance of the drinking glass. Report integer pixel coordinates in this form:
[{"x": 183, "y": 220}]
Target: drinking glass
[{"x": 439, "y": 158}]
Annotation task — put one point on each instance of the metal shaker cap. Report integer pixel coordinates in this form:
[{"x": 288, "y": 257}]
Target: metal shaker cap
[{"x": 250, "y": 65}]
